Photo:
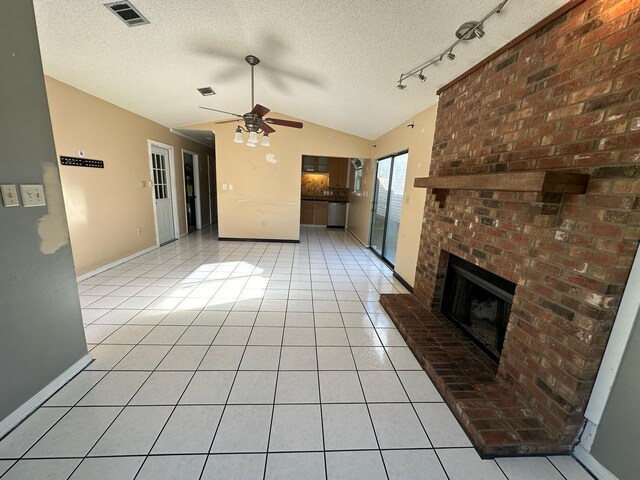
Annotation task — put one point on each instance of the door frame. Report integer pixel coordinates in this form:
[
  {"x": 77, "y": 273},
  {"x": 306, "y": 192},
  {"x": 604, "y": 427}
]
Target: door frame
[
  {"x": 172, "y": 183},
  {"x": 212, "y": 159},
  {"x": 196, "y": 188},
  {"x": 392, "y": 157}
]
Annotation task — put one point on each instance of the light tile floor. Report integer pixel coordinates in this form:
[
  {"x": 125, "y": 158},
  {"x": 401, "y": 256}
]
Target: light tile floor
[{"x": 244, "y": 360}]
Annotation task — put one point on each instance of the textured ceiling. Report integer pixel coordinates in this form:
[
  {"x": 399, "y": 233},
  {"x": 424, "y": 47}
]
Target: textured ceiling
[{"x": 330, "y": 62}]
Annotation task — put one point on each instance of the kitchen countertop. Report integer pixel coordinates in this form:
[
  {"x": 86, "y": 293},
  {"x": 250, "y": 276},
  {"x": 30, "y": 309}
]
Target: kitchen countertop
[{"x": 325, "y": 199}]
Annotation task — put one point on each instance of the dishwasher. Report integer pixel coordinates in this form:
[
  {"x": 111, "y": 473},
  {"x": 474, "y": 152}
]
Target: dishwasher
[{"x": 337, "y": 214}]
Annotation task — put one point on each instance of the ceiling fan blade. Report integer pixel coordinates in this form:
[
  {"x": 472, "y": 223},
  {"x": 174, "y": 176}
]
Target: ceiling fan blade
[
  {"x": 232, "y": 120},
  {"x": 266, "y": 128},
  {"x": 260, "y": 110},
  {"x": 284, "y": 123},
  {"x": 221, "y": 111}
]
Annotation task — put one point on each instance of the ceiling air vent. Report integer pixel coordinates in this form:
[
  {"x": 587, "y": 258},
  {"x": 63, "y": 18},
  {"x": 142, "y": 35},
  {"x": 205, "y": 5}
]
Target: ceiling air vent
[
  {"x": 127, "y": 13},
  {"x": 206, "y": 91}
]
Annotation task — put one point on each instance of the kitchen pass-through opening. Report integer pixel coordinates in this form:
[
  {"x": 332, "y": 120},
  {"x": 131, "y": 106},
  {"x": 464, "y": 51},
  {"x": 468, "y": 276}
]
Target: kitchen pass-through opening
[{"x": 479, "y": 303}]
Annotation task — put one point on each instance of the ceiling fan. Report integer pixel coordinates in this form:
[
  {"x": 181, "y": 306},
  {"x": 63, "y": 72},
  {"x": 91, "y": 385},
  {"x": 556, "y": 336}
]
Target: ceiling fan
[{"x": 254, "y": 121}]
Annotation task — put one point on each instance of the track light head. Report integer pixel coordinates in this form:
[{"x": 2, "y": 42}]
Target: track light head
[
  {"x": 479, "y": 31},
  {"x": 451, "y": 56},
  {"x": 401, "y": 86},
  {"x": 422, "y": 77}
]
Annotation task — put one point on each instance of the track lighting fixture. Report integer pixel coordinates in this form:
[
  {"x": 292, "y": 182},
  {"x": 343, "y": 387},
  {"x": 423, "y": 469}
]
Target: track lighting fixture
[{"x": 466, "y": 31}]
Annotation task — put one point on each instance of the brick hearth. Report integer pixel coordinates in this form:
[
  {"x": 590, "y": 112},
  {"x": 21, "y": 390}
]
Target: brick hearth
[
  {"x": 566, "y": 99},
  {"x": 496, "y": 420}
]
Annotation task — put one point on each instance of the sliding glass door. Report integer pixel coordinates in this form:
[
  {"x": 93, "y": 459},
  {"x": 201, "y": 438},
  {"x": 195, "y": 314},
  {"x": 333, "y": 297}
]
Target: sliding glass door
[{"x": 387, "y": 205}]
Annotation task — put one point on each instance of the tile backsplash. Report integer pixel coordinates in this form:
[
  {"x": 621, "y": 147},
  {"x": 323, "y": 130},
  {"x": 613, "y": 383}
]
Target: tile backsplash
[{"x": 314, "y": 184}]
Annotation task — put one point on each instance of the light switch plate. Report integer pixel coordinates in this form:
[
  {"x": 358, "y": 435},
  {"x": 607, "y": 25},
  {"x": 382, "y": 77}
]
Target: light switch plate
[
  {"x": 9, "y": 196},
  {"x": 32, "y": 195}
]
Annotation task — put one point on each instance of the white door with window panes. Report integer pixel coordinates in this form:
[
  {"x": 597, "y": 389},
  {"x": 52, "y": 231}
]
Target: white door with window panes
[{"x": 162, "y": 194}]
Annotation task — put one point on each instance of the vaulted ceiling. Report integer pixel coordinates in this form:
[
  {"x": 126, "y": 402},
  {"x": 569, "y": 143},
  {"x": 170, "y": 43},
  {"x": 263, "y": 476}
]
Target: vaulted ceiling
[{"x": 335, "y": 63}]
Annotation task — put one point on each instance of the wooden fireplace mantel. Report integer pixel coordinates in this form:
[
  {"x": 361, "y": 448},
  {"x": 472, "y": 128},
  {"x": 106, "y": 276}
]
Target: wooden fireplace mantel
[{"x": 541, "y": 181}]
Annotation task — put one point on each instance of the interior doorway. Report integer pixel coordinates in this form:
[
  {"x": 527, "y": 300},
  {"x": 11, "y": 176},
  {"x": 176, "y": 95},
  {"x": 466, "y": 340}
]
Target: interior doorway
[
  {"x": 192, "y": 190},
  {"x": 391, "y": 172},
  {"x": 164, "y": 193},
  {"x": 213, "y": 199}
]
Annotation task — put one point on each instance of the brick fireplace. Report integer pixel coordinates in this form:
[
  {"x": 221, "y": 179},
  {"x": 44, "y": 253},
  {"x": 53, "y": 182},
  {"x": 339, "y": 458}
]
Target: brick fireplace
[{"x": 565, "y": 99}]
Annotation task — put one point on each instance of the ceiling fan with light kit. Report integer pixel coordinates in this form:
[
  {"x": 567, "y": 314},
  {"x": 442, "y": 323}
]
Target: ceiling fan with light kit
[{"x": 254, "y": 121}]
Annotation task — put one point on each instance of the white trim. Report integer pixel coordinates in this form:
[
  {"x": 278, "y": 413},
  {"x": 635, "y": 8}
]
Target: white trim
[
  {"x": 197, "y": 191},
  {"x": 196, "y": 188},
  {"x": 108, "y": 266},
  {"x": 593, "y": 465},
  {"x": 210, "y": 160},
  {"x": 617, "y": 344},
  {"x": 189, "y": 137},
  {"x": 174, "y": 193},
  {"x": 24, "y": 410}
]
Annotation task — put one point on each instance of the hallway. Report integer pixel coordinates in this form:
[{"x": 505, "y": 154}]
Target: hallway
[{"x": 248, "y": 360}]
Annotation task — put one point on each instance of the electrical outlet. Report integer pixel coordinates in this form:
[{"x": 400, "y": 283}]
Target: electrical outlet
[
  {"x": 32, "y": 195},
  {"x": 10, "y": 196}
]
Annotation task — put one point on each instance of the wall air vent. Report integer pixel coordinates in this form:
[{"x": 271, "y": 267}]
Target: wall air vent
[
  {"x": 127, "y": 13},
  {"x": 206, "y": 91},
  {"x": 357, "y": 163}
]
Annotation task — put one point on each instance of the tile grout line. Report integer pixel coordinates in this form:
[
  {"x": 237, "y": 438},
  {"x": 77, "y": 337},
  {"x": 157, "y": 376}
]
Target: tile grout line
[
  {"x": 230, "y": 389},
  {"x": 365, "y": 399},
  {"x": 315, "y": 347},
  {"x": 185, "y": 389},
  {"x": 275, "y": 390}
]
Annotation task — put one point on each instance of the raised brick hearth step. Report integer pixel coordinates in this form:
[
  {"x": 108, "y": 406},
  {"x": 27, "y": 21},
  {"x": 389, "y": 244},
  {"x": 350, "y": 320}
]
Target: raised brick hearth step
[{"x": 497, "y": 422}]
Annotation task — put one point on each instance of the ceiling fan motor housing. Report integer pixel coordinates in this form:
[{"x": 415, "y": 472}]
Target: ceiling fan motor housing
[{"x": 252, "y": 122}]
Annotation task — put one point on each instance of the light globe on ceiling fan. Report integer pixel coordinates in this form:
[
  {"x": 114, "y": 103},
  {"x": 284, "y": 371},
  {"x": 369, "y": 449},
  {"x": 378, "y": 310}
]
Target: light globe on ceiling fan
[{"x": 254, "y": 121}]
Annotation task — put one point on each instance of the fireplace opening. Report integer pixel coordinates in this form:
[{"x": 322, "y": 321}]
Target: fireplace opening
[{"x": 478, "y": 302}]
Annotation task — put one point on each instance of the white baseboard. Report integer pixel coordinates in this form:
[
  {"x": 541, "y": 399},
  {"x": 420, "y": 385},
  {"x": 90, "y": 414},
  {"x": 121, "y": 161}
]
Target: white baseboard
[
  {"x": 22, "y": 412},
  {"x": 593, "y": 465},
  {"x": 114, "y": 264}
]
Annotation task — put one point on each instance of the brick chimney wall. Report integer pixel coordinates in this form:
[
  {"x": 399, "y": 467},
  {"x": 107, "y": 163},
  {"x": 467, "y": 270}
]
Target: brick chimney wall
[{"x": 565, "y": 98}]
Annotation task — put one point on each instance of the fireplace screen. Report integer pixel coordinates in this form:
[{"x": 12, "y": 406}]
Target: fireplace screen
[{"x": 479, "y": 303}]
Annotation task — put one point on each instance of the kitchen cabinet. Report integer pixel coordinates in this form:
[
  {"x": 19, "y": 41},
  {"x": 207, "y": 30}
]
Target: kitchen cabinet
[
  {"x": 308, "y": 164},
  {"x": 314, "y": 213},
  {"x": 306, "y": 213},
  {"x": 315, "y": 164},
  {"x": 321, "y": 213},
  {"x": 338, "y": 171}
]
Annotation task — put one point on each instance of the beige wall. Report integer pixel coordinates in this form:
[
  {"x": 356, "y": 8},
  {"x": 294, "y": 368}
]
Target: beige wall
[
  {"x": 265, "y": 200},
  {"x": 359, "y": 219},
  {"x": 106, "y": 207},
  {"x": 419, "y": 141}
]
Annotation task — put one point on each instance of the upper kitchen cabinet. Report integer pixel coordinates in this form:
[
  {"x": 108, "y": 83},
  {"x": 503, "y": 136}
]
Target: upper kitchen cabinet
[
  {"x": 315, "y": 164},
  {"x": 308, "y": 164},
  {"x": 338, "y": 171}
]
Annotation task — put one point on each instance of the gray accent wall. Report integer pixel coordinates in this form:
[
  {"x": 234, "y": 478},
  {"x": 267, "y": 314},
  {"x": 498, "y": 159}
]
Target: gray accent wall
[
  {"x": 617, "y": 440},
  {"x": 41, "y": 332}
]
